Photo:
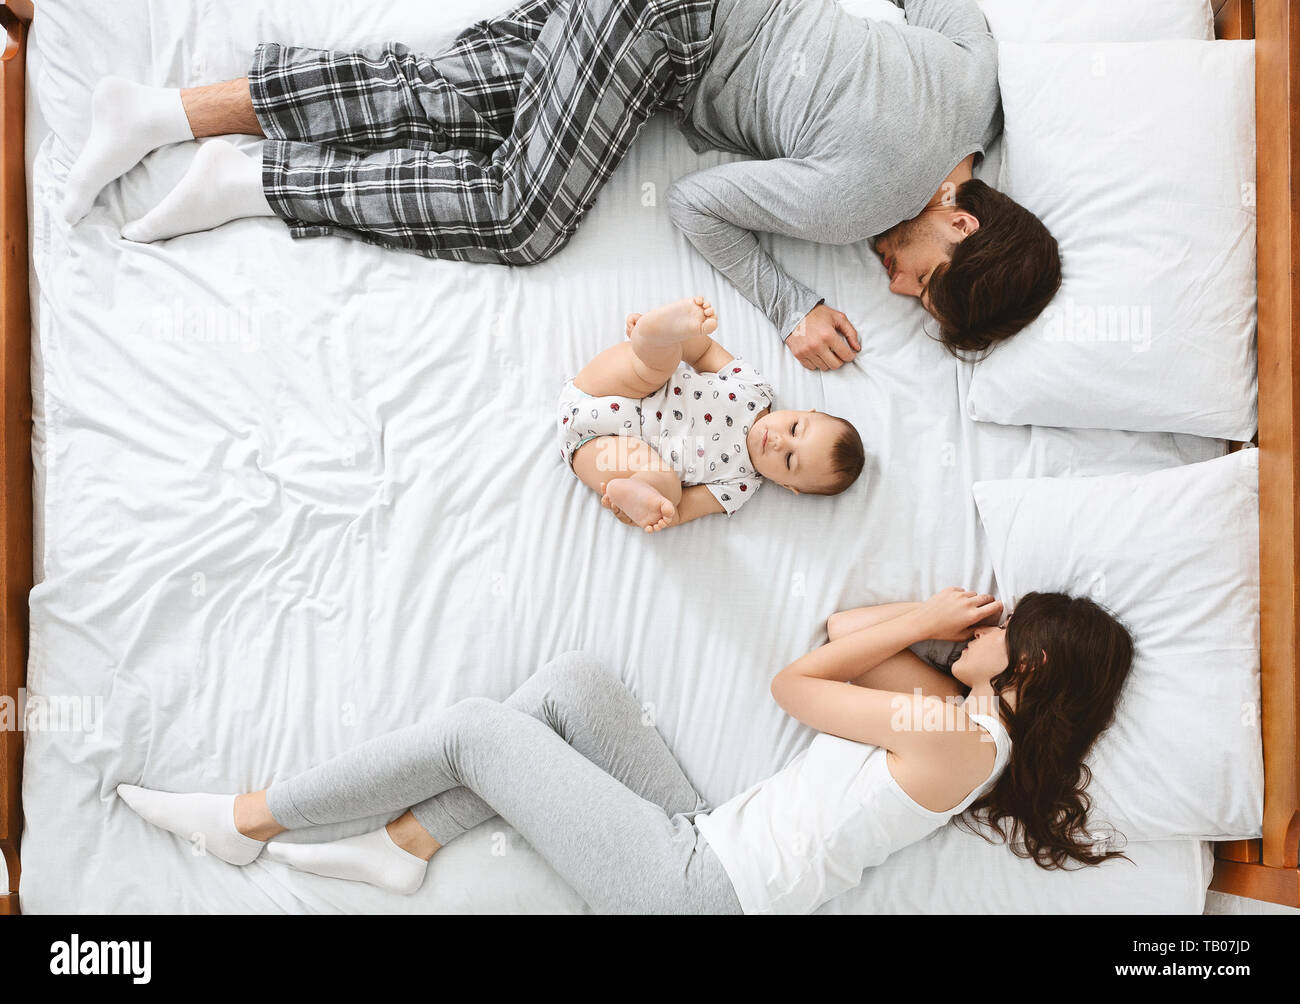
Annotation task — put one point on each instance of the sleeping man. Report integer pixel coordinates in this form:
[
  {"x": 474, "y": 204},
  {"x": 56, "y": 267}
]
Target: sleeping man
[{"x": 494, "y": 150}]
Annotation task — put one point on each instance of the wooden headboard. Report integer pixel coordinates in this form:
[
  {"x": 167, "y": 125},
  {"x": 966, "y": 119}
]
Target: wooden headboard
[{"x": 1264, "y": 869}]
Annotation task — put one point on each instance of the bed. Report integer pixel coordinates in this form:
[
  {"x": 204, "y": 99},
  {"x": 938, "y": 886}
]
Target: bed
[{"x": 266, "y": 526}]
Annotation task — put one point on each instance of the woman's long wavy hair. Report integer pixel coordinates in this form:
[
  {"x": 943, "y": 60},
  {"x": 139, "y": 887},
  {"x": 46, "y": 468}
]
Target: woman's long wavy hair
[{"x": 1068, "y": 660}]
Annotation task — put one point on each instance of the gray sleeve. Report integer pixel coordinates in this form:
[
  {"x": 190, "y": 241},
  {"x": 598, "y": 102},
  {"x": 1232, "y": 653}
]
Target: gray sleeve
[
  {"x": 721, "y": 209},
  {"x": 959, "y": 20}
]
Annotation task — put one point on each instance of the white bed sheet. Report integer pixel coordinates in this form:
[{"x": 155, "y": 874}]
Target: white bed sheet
[{"x": 297, "y": 494}]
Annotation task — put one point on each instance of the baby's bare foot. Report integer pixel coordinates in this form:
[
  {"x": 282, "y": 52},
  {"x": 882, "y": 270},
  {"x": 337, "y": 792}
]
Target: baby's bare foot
[
  {"x": 640, "y": 503},
  {"x": 608, "y": 503},
  {"x": 678, "y": 321}
]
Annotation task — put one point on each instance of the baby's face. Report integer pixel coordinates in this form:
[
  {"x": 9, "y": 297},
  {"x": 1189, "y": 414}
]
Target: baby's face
[{"x": 793, "y": 448}]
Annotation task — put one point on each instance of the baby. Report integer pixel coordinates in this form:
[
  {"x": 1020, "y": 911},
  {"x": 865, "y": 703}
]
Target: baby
[{"x": 669, "y": 426}]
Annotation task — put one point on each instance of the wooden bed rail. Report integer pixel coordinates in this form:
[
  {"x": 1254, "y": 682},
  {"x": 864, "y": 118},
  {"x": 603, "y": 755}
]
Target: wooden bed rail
[
  {"x": 1268, "y": 869},
  {"x": 16, "y": 445}
]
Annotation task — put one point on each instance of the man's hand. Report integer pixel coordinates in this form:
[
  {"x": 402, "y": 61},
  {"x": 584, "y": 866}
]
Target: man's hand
[{"x": 824, "y": 340}]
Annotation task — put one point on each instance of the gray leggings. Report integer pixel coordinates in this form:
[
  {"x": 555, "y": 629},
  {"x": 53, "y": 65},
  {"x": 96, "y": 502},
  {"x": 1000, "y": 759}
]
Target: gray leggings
[{"x": 567, "y": 760}]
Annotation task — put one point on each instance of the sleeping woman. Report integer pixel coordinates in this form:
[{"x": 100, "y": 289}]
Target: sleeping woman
[{"x": 570, "y": 762}]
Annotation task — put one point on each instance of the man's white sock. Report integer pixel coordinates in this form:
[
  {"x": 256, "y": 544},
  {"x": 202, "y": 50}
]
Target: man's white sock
[
  {"x": 206, "y": 821},
  {"x": 371, "y": 857},
  {"x": 221, "y": 185},
  {"x": 128, "y": 122}
]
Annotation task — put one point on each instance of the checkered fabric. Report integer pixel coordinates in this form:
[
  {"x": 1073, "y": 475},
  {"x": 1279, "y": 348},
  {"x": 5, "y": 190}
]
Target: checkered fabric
[{"x": 491, "y": 151}]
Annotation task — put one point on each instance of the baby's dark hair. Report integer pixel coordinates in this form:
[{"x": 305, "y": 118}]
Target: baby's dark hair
[{"x": 847, "y": 459}]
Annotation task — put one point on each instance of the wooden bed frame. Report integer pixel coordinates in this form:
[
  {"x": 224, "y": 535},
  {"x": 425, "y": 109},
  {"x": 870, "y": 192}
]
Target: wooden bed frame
[
  {"x": 16, "y": 436},
  {"x": 1268, "y": 869},
  {"x": 1265, "y": 869}
]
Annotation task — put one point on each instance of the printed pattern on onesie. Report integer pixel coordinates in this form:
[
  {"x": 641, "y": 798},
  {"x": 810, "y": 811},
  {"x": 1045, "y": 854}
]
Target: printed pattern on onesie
[{"x": 699, "y": 421}]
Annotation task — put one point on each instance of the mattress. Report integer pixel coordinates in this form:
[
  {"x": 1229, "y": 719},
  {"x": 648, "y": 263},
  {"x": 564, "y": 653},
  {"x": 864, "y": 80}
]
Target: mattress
[{"x": 295, "y": 494}]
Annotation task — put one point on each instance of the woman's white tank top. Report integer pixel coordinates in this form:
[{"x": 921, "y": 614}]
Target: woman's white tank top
[{"x": 804, "y": 835}]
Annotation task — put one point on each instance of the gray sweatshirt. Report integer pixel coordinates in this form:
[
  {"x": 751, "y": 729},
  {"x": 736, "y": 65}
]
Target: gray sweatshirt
[{"x": 857, "y": 123}]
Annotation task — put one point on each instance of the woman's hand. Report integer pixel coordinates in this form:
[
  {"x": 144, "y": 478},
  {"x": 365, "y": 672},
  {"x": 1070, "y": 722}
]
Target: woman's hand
[{"x": 953, "y": 614}]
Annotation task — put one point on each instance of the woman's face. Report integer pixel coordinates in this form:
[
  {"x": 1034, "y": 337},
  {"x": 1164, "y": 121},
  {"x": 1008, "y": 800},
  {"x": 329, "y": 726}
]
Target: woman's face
[{"x": 984, "y": 657}]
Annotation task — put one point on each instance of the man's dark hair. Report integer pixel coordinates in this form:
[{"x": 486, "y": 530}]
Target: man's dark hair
[{"x": 1000, "y": 278}]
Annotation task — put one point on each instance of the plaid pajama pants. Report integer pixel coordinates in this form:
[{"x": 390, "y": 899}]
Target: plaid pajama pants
[{"x": 489, "y": 152}]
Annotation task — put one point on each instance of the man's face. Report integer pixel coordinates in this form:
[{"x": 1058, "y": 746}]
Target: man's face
[{"x": 911, "y": 251}]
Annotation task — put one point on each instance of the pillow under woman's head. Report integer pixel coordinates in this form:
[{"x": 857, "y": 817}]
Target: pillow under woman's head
[{"x": 1175, "y": 555}]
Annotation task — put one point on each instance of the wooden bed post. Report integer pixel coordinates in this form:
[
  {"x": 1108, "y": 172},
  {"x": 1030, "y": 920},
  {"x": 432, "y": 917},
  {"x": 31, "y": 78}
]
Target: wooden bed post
[
  {"x": 16, "y": 444},
  {"x": 1277, "y": 82},
  {"x": 1267, "y": 869}
]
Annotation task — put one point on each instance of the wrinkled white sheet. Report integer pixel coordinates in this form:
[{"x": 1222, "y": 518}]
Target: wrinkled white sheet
[{"x": 296, "y": 494}]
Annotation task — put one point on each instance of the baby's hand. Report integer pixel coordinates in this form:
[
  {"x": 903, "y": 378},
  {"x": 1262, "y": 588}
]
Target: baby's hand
[{"x": 631, "y": 323}]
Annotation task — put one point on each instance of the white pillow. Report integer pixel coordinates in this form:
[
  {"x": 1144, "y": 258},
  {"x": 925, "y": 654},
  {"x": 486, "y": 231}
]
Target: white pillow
[
  {"x": 1175, "y": 555},
  {"x": 1098, "y": 20},
  {"x": 1140, "y": 158},
  {"x": 1075, "y": 20}
]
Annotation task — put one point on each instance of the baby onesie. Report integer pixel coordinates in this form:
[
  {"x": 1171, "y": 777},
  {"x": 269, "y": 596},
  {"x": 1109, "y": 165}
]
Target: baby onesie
[{"x": 697, "y": 421}]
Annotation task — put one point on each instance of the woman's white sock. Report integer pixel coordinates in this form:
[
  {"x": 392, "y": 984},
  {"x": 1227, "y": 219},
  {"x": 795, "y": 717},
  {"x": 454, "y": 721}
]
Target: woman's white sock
[
  {"x": 371, "y": 857},
  {"x": 221, "y": 185},
  {"x": 128, "y": 122},
  {"x": 206, "y": 821}
]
